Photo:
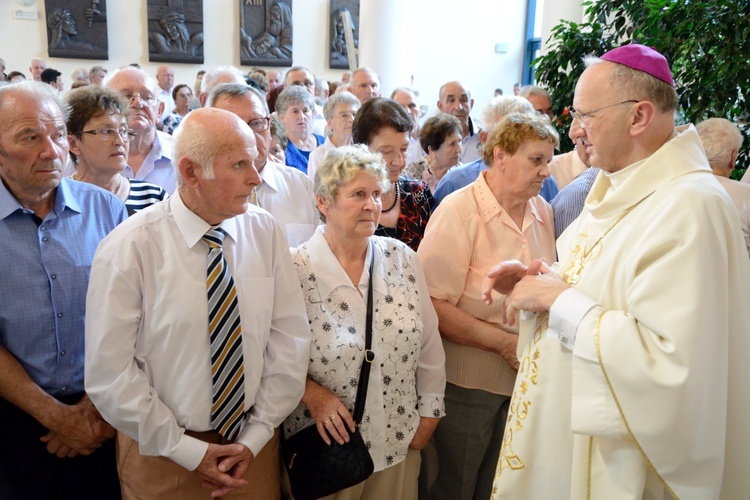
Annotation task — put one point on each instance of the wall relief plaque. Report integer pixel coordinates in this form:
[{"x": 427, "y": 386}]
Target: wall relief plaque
[
  {"x": 266, "y": 32},
  {"x": 77, "y": 28},
  {"x": 175, "y": 31}
]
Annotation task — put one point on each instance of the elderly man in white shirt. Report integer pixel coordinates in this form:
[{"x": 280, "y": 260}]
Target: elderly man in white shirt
[
  {"x": 285, "y": 192},
  {"x": 158, "y": 334}
]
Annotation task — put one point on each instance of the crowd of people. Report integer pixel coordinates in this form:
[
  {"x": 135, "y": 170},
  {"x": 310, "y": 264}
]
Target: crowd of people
[{"x": 190, "y": 270}]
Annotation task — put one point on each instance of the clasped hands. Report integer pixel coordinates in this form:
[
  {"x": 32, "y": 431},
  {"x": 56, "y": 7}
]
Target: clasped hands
[
  {"x": 529, "y": 288},
  {"x": 76, "y": 429}
]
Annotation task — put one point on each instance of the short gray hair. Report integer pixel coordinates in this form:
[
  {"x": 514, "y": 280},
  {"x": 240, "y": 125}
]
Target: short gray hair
[
  {"x": 720, "y": 139},
  {"x": 340, "y": 165},
  {"x": 329, "y": 108},
  {"x": 31, "y": 88},
  {"x": 499, "y": 107},
  {"x": 530, "y": 90},
  {"x": 213, "y": 75},
  {"x": 634, "y": 84},
  {"x": 191, "y": 141},
  {"x": 233, "y": 90},
  {"x": 294, "y": 94}
]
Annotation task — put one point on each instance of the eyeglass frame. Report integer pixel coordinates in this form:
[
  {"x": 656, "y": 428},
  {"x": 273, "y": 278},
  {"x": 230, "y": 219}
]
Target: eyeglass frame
[
  {"x": 146, "y": 100},
  {"x": 128, "y": 136},
  {"x": 580, "y": 117},
  {"x": 266, "y": 119}
]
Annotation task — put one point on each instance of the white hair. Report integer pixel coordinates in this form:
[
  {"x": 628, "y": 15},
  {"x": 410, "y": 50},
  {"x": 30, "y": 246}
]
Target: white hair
[
  {"x": 498, "y": 107},
  {"x": 218, "y": 75}
]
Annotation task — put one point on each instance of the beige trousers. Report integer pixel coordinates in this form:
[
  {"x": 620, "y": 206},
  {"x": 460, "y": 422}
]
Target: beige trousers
[{"x": 146, "y": 477}]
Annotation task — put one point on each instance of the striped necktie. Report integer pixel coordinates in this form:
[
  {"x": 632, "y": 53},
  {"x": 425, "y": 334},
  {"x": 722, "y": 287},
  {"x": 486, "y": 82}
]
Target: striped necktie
[{"x": 227, "y": 371}]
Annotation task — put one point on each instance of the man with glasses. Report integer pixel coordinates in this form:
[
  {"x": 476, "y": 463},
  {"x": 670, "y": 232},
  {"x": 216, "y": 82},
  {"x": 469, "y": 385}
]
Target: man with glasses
[
  {"x": 285, "y": 192},
  {"x": 634, "y": 376},
  {"x": 150, "y": 155},
  {"x": 55, "y": 444}
]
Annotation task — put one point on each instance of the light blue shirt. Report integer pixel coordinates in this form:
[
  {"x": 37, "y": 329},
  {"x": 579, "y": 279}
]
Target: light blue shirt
[
  {"x": 44, "y": 276},
  {"x": 568, "y": 204},
  {"x": 157, "y": 166},
  {"x": 466, "y": 174}
]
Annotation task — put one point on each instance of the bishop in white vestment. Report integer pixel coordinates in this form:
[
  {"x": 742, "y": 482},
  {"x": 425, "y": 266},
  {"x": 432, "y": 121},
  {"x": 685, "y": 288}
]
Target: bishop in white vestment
[{"x": 634, "y": 374}]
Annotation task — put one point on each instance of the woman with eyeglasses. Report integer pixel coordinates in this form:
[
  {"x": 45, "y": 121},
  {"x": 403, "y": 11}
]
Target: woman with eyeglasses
[
  {"x": 339, "y": 111},
  {"x": 99, "y": 138}
]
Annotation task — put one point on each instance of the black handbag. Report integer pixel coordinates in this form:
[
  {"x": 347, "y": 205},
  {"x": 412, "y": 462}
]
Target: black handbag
[{"x": 317, "y": 469}]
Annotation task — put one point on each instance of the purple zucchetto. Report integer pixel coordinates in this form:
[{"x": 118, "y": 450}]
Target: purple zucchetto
[{"x": 641, "y": 58}]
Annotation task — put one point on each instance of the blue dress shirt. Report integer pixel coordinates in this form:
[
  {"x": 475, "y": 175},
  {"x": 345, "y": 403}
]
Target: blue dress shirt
[
  {"x": 466, "y": 174},
  {"x": 44, "y": 276}
]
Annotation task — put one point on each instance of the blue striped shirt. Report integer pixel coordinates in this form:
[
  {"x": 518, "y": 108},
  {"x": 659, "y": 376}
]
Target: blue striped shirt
[
  {"x": 142, "y": 195},
  {"x": 44, "y": 277},
  {"x": 568, "y": 204}
]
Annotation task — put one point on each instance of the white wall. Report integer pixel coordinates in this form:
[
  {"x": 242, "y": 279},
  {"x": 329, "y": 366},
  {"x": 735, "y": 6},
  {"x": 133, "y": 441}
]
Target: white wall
[{"x": 452, "y": 40}]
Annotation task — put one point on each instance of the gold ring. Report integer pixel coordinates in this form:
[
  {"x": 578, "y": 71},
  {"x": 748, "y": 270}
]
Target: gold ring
[
  {"x": 327, "y": 421},
  {"x": 333, "y": 417}
]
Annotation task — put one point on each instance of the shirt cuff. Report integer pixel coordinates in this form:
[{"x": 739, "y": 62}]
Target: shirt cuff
[
  {"x": 189, "y": 452},
  {"x": 430, "y": 405},
  {"x": 566, "y": 314},
  {"x": 255, "y": 437}
]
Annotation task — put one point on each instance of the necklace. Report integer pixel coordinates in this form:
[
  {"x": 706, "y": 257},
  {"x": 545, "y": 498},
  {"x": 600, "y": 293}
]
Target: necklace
[
  {"x": 572, "y": 274},
  {"x": 119, "y": 187},
  {"x": 395, "y": 201}
]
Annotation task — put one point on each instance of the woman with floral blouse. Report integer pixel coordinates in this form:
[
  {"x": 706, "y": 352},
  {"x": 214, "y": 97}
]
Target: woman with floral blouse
[{"x": 405, "y": 393}]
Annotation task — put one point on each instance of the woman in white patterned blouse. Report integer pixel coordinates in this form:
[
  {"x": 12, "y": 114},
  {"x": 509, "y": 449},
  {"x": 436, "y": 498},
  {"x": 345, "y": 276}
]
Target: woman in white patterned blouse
[{"x": 405, "y": 394}]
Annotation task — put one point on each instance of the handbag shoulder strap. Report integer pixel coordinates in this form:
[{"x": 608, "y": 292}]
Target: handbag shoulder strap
[{"x": 364, "y": 373}]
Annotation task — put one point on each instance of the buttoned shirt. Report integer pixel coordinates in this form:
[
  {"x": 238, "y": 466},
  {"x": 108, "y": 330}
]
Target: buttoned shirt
[
  {"x": 148, "y": 361},
  {"x": 288, "y": 195},
  {"x": 468, "y": 234},
  {"x": 407, "y": 377},
  {"x": 157, "y": 166},
  {"x": 44, "y": 277}
]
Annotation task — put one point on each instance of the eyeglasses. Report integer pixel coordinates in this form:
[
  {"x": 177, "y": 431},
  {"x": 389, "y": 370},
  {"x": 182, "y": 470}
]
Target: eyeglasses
[
  {"x": 147, "y": 98},
  {"x": 260, "y": 124},
  {"x": 584, "y": 118},
  {"x": 109, "y": 134}
]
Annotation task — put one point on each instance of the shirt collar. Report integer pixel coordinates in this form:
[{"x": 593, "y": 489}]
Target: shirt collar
[
  {"x": 329, "y": 274},
  {"x": 193, "y": 228},
  {"x": 64, "y": 198},
  {"x": 269, "y": 176},
  {"x": 489, "y": 207}
]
